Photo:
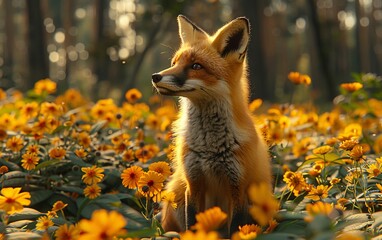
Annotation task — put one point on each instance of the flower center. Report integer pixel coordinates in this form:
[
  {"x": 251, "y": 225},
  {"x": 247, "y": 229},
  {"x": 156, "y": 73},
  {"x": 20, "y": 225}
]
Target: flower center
[{"x": 150, "y": 183}]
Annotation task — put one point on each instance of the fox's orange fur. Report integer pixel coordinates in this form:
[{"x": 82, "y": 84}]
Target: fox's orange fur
[{"x": 218, "y": 152}]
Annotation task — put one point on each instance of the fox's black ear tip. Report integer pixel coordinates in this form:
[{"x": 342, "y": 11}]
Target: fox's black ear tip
[
  {"x": 180, "y": 16},
  {"x": 245, "y": 19}
]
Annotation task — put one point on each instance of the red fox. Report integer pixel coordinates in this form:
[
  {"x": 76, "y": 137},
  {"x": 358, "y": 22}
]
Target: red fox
[{"x": 218, "y": 152}]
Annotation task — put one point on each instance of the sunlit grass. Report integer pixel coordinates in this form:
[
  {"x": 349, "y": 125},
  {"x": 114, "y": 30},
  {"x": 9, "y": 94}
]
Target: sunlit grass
[{"x": 77, "y": 160}]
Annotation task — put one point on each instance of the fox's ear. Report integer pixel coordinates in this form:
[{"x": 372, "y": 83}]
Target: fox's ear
[
  {"x": 233, "y": 38},
  {"x": 189, "y": 31}
]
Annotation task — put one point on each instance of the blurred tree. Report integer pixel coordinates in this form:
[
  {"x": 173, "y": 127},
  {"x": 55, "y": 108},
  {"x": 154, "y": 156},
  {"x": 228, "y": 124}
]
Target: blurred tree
[
  {"x": 7, "y": 80},
  {"x": 323, "y": 60},
  {"x": 37, "y": 55},
  {"x": 261, "y": 87}
]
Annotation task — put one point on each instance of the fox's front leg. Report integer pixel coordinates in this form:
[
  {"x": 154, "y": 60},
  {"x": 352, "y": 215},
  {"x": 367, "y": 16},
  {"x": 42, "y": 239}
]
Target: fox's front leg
[{"x": 195, "y": 201}]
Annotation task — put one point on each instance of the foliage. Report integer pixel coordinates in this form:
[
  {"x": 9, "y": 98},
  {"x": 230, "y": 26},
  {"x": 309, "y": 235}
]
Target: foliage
[{"x": 82, "y": 166}]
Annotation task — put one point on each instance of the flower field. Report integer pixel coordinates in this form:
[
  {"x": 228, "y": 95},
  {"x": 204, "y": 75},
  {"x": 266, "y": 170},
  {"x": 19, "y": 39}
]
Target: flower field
[{"x": 74, "y": 169}]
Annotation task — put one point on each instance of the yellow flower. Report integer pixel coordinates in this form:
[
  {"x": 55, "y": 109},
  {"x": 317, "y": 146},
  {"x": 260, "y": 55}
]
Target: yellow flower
[
  {"x": 147, "y": 152},
  {"x": 72, "y": 98},
  {"x": 210, "y": 220},
  {"x": 44, "y": 124},
  {"x": 51, "y": 214},
  {"x": 150, "y": 183},
  {"x": 130, "y": 176},
  {"x": 92, "y": 191},
  {"x": 167, "y": 196},
  {"x": 104, "y": 109},
  {"x": 247, "y": 232},
  {"x": 57, "y": 153},
  {"x": 319, "y": 193},
  {"x": 300, "y": 148},
  {"x": 153, "y": 122},
  {"x": 45, "y": 85},
  {"x": 128, "y": 155},
  {"x": 48, "y": 108},
  {"x": 350, "y": 236},
  {"x": 81, "y": 153},
  {"x": 295, "y": 182},
  {"x": 33, "y": 148},
  {"x": 322, "y": 150},
  {"x": 374, "y": 170},
  {"x": 265, "y": 206},
  {"x": 335, "y": 181},
  {"x": 305, "y": 79},
  {"x": 43, "y": 223},
  {"x": 15, "y": 144},
  {"x": 316, "y": 169},
  {"x": 297, "y": 78},
  {"x": 3, "y": 169},
  {"x": 275, "y": 135},
  {"x": 351, "y": 87},
  {"x": 11, "y": 200},
  {"x": 348, "y": 144},
  {"x": 318, "y": 208},
  {"x": 133, "y": 95},
  {"x": 357, "y": 153},
  {"x": 92, "y": 175},
  {"x": 379, "y": 186},
  {"x": 161, "y": 167},
  {"x": 3, "y": 134},
  {"x": 102, "y": 225},
  {"x": 84, "y": 139},
  {"x": 29, "y": 110},
  {"x": 65, "y": 232},
  {"x": 353, "y": 130},
  {"x": 59, "y": 205},
  {"x": 377, "y": 146},
  {"x": 29, "y": 160},
  {"x": 294, "y": 77},
  {"x": 255, "y": 104},
  {"x": 3, "y": 94},
  {"x": 189, "y": 235},
  {"x": 351, "y": 177}
]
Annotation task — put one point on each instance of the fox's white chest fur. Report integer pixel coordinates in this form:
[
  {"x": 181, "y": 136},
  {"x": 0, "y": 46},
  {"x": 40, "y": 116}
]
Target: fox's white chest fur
[{"x": 208, "y": 130}]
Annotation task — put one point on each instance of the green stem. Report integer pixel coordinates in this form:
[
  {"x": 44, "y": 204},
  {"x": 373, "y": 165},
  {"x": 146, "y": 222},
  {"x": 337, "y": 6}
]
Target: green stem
[{"x": 83, "y": 204}]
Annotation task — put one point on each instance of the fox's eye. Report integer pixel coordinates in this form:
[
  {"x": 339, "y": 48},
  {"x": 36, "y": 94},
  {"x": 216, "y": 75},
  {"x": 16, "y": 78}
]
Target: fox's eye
[
  {"x": 196, "y": 66},
  {"x": 172, "y": 64}
]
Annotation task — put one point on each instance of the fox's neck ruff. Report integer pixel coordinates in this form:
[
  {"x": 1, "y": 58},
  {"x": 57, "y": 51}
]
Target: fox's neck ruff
[{"x": 208, "y": 126}]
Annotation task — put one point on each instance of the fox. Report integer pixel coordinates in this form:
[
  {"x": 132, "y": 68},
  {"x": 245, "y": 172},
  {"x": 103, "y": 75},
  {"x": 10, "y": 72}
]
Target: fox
[{"x": 218, "y": 151}]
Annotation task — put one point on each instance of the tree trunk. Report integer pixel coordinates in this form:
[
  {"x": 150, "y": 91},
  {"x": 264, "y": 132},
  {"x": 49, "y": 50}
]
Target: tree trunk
[
  {"x": 261, "y": 87},
  {"x": 7, "y": 80},
  {"x": 322, "y": 55},
  {"x": 37, "y": 55}
]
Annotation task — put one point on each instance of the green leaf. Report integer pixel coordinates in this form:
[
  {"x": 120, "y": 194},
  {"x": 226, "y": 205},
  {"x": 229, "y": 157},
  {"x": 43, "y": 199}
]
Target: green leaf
[
  {"x": 40, "y": 196},
  {"x": 97, "y": 126},
  {"x": 47, "y": 164},
  {"x": 77, "y": 160},
  {"x": 13, "y": 182},
  {"x": 25, "y": 214},
  {"x": 11, "y": 165},
  {"x": 23, "y": 235},
  {"x": 136, "y": 219},
  {"x": 149, "y": 232},
  {"x": 296, "y": 227},
  {"x": 278, "y": 236},
  {"x": 60, "y": 129},
  {"x": 68, "y": 188},
  {"x": 13, "y": 174}
]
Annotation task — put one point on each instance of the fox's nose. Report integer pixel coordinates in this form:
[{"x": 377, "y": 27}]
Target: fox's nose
[{"x": 156, "y": 77}]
